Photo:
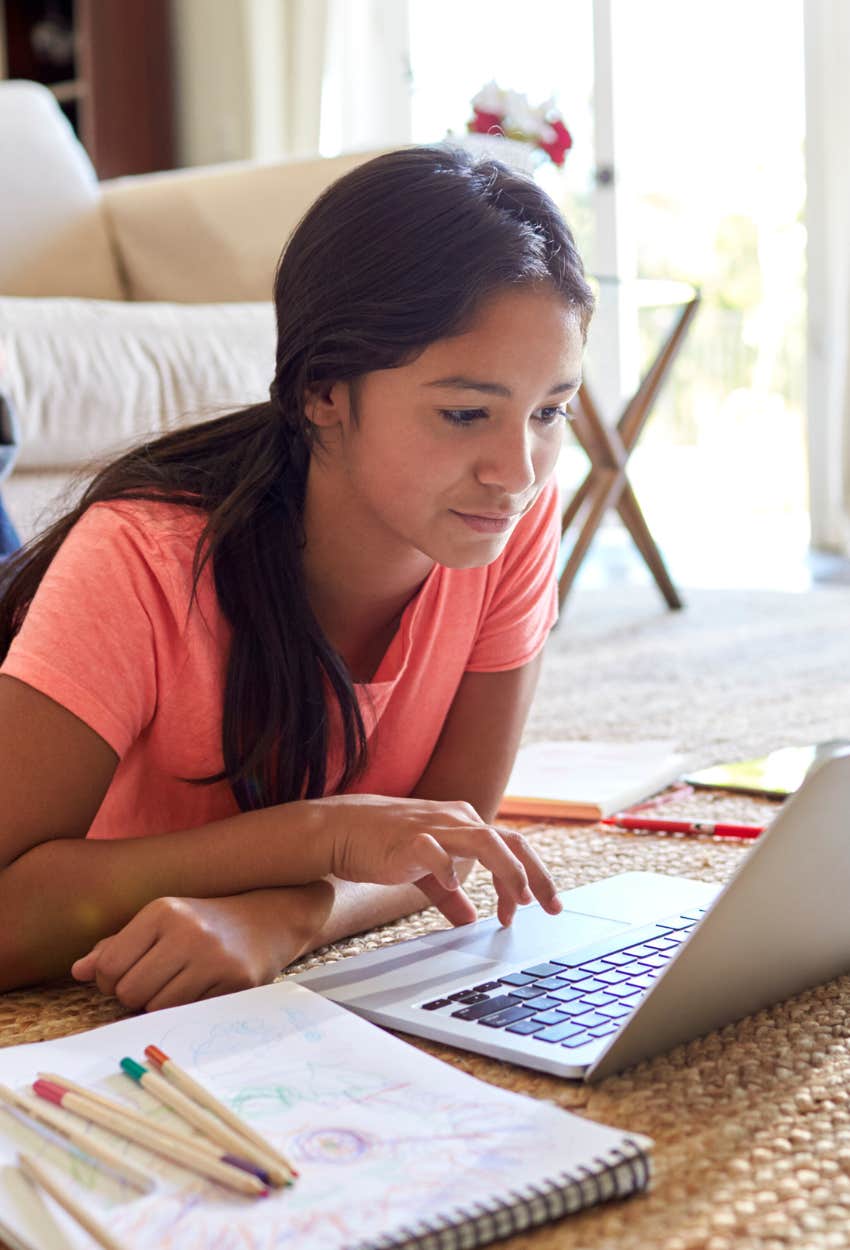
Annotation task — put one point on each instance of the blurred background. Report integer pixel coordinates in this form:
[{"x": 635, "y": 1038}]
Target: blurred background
[{"x": 689, "y": 161}]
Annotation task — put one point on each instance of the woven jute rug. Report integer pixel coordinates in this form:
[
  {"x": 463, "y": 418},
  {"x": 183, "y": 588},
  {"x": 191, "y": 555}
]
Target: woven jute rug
[{"x": 752, "y": 1123}]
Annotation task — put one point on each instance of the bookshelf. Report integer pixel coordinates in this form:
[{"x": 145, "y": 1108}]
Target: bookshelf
[{"x": 109, "y": 65}]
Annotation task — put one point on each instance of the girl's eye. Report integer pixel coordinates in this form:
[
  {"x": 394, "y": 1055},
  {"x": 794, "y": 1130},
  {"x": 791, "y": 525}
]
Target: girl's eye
[
  {"x": 548, "y": 416},
  {"x": 466, "y": 416},
  {"x": 462, "y": 416}
]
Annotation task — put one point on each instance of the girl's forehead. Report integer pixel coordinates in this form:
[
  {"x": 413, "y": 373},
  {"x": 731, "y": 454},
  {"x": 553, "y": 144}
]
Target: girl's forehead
[{"x": 512, "y": 328}]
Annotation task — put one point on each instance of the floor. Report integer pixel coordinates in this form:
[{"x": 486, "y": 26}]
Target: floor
[{"x": 763, "y": 559}]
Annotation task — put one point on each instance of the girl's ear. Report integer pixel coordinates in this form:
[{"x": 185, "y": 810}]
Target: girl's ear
[{"x": 327, "y": 405}]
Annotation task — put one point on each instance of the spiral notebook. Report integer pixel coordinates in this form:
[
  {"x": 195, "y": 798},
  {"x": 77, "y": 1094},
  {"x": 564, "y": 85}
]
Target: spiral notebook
[{"x": 394, "y": 1147}]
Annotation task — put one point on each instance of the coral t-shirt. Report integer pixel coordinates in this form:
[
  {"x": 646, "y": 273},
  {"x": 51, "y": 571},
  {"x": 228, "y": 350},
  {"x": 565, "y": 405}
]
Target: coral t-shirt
[{"x": 112, "y": 636}]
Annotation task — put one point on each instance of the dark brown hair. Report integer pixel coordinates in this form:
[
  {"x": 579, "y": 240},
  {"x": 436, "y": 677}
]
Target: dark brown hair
[{"x": 393, "y": 256}]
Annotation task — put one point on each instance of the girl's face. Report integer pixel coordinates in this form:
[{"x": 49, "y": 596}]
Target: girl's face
[{"x": 445, "y": 454}]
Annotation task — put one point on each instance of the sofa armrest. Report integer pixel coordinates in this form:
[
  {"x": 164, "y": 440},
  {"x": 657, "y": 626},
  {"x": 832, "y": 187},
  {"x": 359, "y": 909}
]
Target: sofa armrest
[{"x": 212, "y": 234}]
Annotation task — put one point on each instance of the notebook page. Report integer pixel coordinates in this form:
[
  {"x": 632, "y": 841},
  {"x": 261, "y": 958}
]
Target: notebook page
[{"x": 382, "y": 1134}]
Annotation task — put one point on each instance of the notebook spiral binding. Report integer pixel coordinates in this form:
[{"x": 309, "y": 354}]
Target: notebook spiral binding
[{"x": 614, "y": 1175}]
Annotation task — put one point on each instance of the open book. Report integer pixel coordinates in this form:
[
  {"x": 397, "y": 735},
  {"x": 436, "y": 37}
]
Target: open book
[
  {"x": 394, "y": 1148},
  {"x": 587, "y": 780}
]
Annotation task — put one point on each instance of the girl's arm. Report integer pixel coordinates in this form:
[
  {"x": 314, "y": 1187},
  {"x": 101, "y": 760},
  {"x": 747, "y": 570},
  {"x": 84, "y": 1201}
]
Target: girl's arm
[
  {"x": 60, "y": 893},
  {"x": 246, "y": 940}
]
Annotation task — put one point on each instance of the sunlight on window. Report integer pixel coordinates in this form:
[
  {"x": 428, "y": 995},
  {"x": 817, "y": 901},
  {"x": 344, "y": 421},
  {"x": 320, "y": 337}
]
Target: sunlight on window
[{"x": 710, "y": 165}]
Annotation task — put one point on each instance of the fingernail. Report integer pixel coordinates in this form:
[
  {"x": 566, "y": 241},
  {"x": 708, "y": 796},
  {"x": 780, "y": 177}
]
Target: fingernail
[{"x": 453, "y": 881}]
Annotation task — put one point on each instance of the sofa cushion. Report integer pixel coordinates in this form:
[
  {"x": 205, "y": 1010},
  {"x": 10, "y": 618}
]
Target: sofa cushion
[
  {"x": 88, "y": 377},
  {"x": 53, "y": 237},
  {"x": 212, "y": 234}
]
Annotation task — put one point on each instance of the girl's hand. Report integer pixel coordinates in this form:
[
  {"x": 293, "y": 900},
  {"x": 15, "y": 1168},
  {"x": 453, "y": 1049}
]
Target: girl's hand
[
  {"x": 391, "y": 841},
  {"x": 179, "y": 950}
]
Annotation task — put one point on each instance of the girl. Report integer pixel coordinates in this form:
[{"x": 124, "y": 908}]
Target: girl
[{"x": 263, "y": 687}]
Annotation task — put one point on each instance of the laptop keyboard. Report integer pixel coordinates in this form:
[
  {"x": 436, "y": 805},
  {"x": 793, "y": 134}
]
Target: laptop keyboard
[{"x": 576, "y": 999}]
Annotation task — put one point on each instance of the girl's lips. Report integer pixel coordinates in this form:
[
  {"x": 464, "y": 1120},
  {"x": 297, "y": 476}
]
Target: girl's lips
[{"x": 489, "y": 524}]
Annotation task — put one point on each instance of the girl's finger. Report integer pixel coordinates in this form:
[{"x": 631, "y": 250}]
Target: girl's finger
[
  {"x": 491, "y": 850},
  {"x": 190, "y": 984},
  {"x": 506, "y": 902},
  {"x": 145, "y": 978},
  {"x": 540, "y": 880},
  {"x": 82, "y": 969},
  {"x": 424, "y": 855},
  {"x": 456, "y": 905},
  {"x": 124, "y": 949}
]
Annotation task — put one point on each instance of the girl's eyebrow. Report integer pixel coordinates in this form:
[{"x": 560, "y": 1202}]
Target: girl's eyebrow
[{"x": 459, "y": 383}]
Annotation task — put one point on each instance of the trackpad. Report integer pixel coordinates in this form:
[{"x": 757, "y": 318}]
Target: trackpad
[{"x": 453, "y": 955}]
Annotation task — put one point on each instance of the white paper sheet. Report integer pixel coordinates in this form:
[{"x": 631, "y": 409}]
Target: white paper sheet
[{"x": 382, "y": 1134}]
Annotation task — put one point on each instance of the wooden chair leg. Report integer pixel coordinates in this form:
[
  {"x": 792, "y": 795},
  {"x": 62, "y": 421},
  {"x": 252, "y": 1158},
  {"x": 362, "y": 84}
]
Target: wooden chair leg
[
  {"x": 608, "y": 484},
  {"x": 634, "y": 520},
  {"x": 574, "y": 506}
]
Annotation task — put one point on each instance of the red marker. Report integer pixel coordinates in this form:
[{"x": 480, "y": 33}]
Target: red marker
[{"x": 717, "y": 830}]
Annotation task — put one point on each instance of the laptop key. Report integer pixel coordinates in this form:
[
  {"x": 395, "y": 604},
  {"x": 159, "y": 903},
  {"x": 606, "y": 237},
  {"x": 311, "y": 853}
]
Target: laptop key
[
  {"x": 526, "y": 991},
  {"x": 552, "y": 983},
  {"x": 486, "y": 985},
  {"x": 501, "y": 1018},
  {"x": 572, "y": 974},
  {"x": 612, "y": 977},
  {"x": 517, "y": 978},
  {"x": 596, "y": 965},
  {"x": 589, "y": 984},
  {"x": 658, "y": 961},
  {"x": 543, "y": 1002},
  {"x": 437, "y": 1002},
  {"x": 642, "y": 983},
  {"x": 604, "y": 1029},
  {"x": 500, "y": 1003},
  {"x": 598, "y": 1000},
  {"x": 590, "y": 1019},
  {"x": 618, "y": 958},
  {"x": 615, "y": 1011},
  {"x": 523, "y": 1027},
  {"x": 541, "y": 970},
  {"x": 551, "y": 1017},
  {"x": 631, "y": 1000},
  {"x": 557, "y": 1032},
  {"x": 467, "y": 996},
  {"x": 578, "y": 1039},
  {"x": 568, "y": 994},
  {"x": 638, "y": 952}
]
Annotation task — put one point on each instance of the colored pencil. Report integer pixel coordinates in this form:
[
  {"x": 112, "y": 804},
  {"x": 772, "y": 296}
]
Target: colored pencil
[
  {"x": 237, "y": 1145},
  {"x": 38, "y": 1109},
  {"x": 151, "y": 1138},
  {"x": 201, "y": 1144},
  {"x": 38, "y": 1174},
  {"x": 194, "y": 1089}
]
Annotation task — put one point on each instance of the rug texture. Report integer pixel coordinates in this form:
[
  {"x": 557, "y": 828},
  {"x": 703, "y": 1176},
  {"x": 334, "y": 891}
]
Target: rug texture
[{"x": 752, "y": 1123}]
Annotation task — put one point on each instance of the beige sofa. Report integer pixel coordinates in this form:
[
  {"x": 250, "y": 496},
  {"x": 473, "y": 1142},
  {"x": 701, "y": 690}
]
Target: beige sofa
[{"x": 128, "y": 306}]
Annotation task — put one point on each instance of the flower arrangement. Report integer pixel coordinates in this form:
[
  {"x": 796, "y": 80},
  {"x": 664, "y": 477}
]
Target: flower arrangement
[{"x": 499, "y": 112}]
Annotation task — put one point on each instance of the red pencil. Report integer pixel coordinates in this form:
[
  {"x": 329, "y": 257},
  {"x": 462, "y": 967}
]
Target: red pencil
[{"x": 718, "y": 830}]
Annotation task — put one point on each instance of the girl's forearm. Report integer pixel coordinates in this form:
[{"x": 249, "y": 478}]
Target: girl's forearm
[
  {"x": 276, "y": 846},
  {"x": 63, "y": 895}
]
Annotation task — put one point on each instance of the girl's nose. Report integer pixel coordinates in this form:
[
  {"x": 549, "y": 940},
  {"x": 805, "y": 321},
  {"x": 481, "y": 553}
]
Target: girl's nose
[{"x": 507, "y": 462}]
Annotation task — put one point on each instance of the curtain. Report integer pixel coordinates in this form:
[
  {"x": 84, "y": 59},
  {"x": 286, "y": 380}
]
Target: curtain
[
  {"x": 286, "y": 42},
  {"x": 827, "y": 49},
  {"x": 366, "y": 97}
]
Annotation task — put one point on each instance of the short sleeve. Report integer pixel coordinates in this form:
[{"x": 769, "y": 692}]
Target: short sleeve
[
  {"x": 523, "y": 605},
  {"x": 94, "y": 630}
]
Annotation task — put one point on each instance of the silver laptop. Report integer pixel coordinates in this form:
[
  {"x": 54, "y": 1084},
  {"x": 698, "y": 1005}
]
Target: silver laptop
[{"x": 635, "y": 963}]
